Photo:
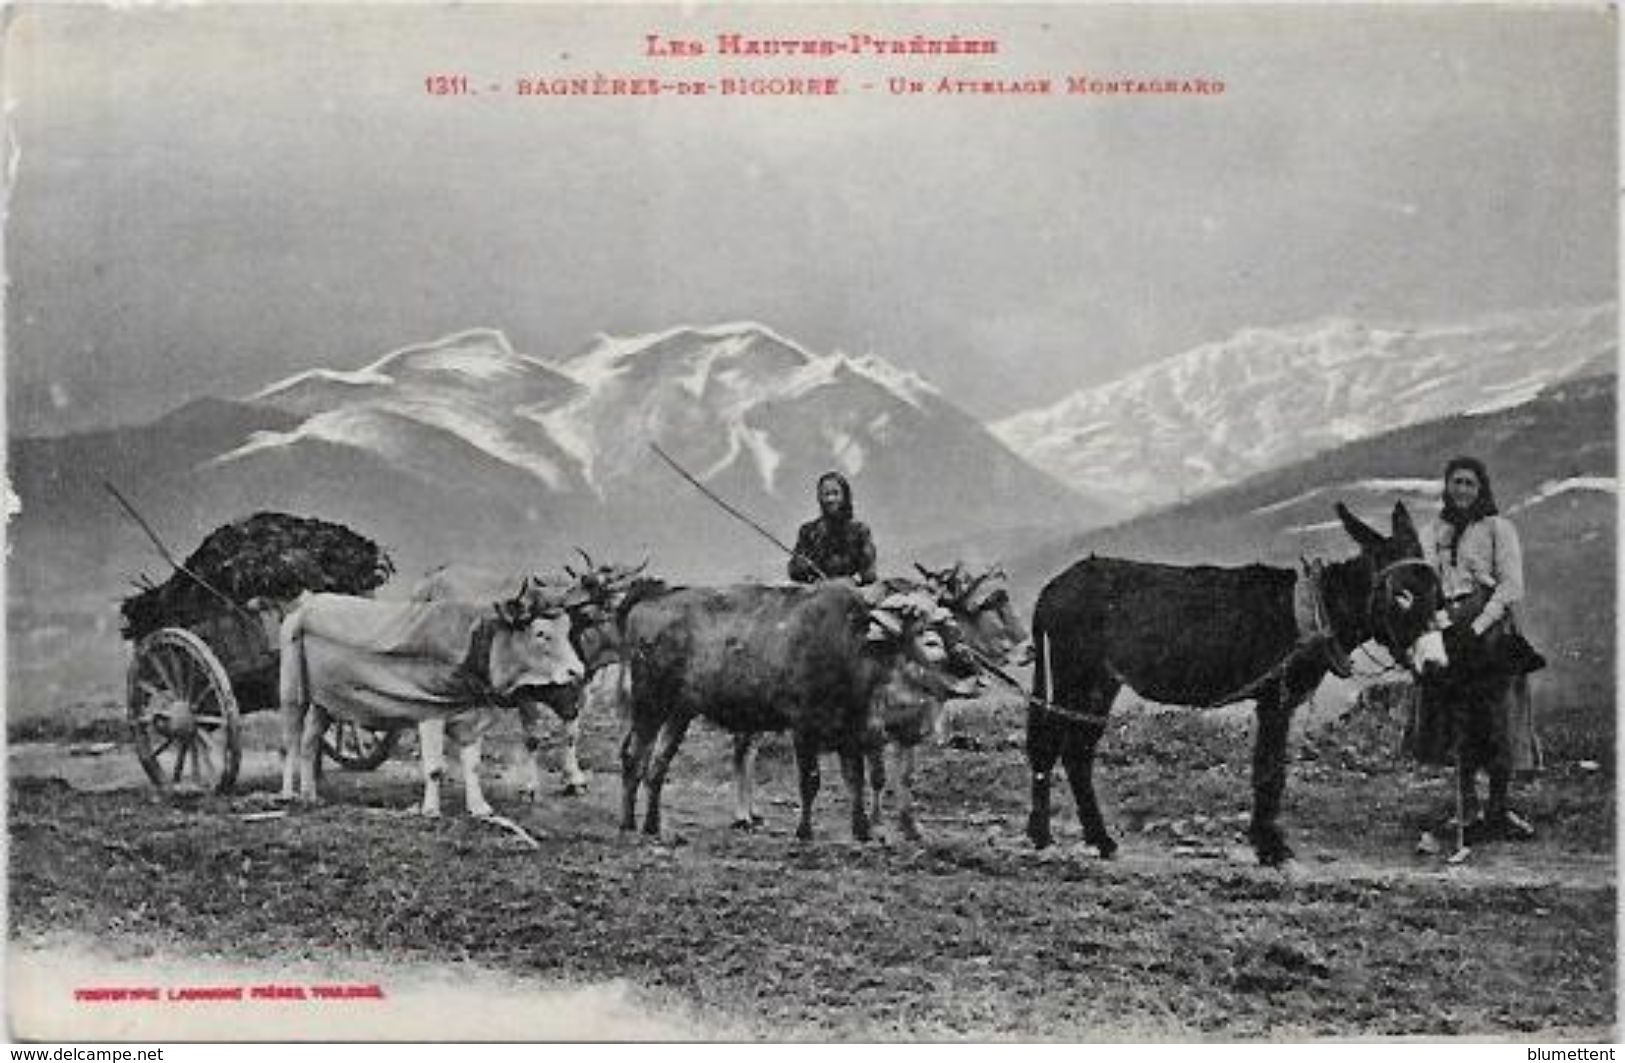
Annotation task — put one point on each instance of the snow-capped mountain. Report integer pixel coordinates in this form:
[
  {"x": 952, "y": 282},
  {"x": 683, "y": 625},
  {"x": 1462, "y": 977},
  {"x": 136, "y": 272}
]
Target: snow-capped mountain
[
  {"x": 1268, "y": 396},
  {"x": 464, "y": 446},
  {"x": 736, "y": 403}
]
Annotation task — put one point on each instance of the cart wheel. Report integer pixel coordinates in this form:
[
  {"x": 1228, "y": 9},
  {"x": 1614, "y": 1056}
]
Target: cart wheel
[
  {"x": 183, "y": 715},
  {"x": 357, "y": 748}
]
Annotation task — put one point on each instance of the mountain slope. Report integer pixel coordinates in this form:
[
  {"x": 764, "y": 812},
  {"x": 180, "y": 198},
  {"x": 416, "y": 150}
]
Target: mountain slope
[{"x": 1223, "y": 411}]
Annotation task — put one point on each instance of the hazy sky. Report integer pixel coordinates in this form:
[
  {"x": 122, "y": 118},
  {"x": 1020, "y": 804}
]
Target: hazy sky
[{"x": 209, "y": 198}]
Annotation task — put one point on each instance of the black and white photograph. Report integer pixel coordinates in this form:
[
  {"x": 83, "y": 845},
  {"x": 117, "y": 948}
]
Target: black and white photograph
[{"x": 780, "y": 522}]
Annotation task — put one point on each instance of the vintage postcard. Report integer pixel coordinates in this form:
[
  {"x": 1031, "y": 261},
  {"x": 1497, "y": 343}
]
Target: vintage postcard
[{"x": 917, "y": 522}]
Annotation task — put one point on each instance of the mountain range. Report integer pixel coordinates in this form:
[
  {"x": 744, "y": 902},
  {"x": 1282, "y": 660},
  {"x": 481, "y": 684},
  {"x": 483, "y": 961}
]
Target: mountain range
[
  {"x": 465, "y": 448},
  {"x": 1264, "y": 397}
]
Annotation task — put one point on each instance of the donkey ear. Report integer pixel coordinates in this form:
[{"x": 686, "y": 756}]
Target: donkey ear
[
  {"x": 1404, "y": 527},
  {"x": 1359, "y": 530}
]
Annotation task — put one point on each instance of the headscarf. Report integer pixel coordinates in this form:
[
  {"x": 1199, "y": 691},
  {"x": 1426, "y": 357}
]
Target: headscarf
[
  {"x": 844, "y": 514},
  {"x": 1483, "y": 506}
]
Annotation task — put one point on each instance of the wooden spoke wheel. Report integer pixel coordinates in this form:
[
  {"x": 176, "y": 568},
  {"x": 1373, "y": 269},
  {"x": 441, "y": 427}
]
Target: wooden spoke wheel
[
  {"x": 357, "y": 748},
  {"x": 183, "y": 714}
]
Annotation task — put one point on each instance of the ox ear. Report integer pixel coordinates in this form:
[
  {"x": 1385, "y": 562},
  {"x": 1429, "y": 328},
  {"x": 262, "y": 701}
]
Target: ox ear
[{"x": 1361, "y": 532}]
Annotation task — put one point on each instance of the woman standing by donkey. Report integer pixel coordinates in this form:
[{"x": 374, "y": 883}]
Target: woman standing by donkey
[{"x": 1485, "y": 691}]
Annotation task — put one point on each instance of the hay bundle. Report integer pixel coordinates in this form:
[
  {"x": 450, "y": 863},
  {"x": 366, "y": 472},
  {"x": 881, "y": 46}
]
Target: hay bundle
[{"x": 268, "y": 555}]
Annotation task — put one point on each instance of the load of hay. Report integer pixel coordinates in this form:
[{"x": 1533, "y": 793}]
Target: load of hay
[{"x": 268, "y": 555}]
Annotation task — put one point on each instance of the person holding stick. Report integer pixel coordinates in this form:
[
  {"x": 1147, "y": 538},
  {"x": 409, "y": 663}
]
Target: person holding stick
[
  {"x": 835, "y": 544},
  {"x": 1485, "y": 695}
]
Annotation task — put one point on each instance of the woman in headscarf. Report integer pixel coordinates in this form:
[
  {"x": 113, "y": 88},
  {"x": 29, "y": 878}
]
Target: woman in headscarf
[
  {"x": 1485, "y": 691},
  {"x": 835, "y": 544}
]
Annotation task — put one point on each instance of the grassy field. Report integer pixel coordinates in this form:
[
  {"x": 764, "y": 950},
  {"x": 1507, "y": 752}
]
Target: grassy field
[{"x": 969, "y": 935}]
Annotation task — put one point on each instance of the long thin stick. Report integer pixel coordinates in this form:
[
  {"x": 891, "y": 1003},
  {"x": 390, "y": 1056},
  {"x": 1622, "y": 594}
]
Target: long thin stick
[
  {"x": 731, "y": 511},
  {"x": 167, "y": 556},
  {"x": 981, "y": 660}
]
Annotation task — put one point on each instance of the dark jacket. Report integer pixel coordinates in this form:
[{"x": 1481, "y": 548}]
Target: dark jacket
[{"x": 831, "y": 549}]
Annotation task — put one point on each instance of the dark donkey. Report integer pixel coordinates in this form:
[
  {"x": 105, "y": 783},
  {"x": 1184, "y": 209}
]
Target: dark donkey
[{"x": 1205, "y": 636}]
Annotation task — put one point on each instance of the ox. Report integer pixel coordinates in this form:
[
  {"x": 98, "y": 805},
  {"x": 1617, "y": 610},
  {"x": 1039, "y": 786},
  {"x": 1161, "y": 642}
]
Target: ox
[
  {"x": 589, "y": 600},
  {"x": 989, "y": 633},
  {"x": 822, "y": 662},
  {"x": 381, "y": 664},
  {"x": 1205, "y": 636}
]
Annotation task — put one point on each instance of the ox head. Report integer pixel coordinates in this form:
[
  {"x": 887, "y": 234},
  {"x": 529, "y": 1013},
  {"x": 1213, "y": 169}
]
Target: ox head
[
  {"x": 531, "y": 654},
  {"x": 980, "y": 605},
  {"x": 926, "y": 667},
  {"x": 918, "y": 631},
  {"x": 593, "y": 601},
  {"x": 1404, "y": 601}
]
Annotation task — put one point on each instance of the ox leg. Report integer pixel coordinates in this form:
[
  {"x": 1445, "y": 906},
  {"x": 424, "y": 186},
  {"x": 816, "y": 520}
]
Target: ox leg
[
  {"x": 469, "y": 757},
  {"x": 807, "y": 773},
  {"x": 310, "y": 752},
  {"x": 1269, "y": 776},
  {"x": 575, "y": 780},
  {"x": 293, "y": 726},
  {"x": 635, "y": 750},
  {"x": 744, "y": 763},
  {"x": 905, "y": 793},
  {"x": 530, "y": 771},
  {"x": 877, "y": 784},
  {"x": 671, "y": 736},
  {"x": 432, "y": 751},
  {"x": 852, "y": 768},
  {"x": 1043, "y": 748}
]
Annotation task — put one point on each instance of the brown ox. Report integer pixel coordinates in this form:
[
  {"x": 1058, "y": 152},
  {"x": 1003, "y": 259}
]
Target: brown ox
[
  {"x": 989, "y": 632},
  {"x": 821, "y": 662}
]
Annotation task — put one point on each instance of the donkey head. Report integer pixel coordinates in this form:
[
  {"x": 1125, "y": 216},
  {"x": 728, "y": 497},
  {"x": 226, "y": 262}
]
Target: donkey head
[{"x": 1403, "y": 592}]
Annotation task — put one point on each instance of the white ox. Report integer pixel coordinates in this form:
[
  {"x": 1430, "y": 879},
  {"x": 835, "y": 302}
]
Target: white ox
[{"x": 382, "y": 664}]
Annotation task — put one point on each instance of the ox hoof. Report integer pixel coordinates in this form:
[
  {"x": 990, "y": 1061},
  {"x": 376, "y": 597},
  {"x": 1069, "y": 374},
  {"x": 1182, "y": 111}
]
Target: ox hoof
[
  {"x": 804, "y": 833},
  {"x": 573, "y": 789},
  {"x": 1039, "y": 836},
  {"x": 1106, "y": 848},
  {"x": 745, "y": 825},
  {"x": 529, "y": 796},
  {"x": 428, "y": 813}
]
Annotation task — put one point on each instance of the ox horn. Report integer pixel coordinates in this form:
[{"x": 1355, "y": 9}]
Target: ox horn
[{"x": 587, "y": 558}]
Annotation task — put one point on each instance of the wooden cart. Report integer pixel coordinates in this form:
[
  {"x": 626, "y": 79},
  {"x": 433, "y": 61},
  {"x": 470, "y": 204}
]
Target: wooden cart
[{"x": 189, "y": 686}]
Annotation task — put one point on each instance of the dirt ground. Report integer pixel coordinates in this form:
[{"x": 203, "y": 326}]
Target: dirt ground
[{"x": 970, "y": 935}]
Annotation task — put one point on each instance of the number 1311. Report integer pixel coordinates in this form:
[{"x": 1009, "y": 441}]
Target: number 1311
[{"x": 447, "y": 85}]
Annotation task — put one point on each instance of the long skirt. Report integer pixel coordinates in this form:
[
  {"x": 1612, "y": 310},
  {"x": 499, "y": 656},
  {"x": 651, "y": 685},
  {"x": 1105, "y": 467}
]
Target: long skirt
[{"x": 1488, "y": 724}]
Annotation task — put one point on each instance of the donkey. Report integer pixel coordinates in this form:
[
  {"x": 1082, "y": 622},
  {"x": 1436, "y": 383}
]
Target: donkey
[{"x": 1205, "y": 636}]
